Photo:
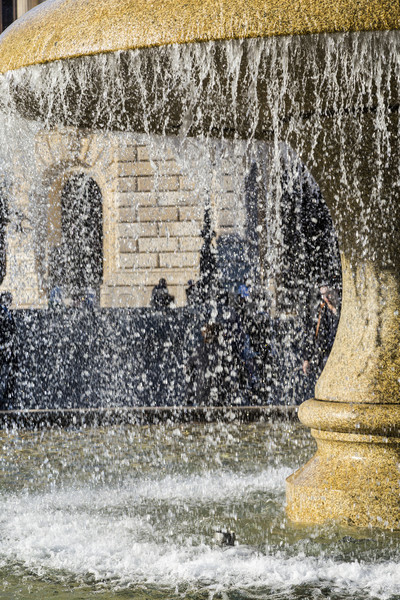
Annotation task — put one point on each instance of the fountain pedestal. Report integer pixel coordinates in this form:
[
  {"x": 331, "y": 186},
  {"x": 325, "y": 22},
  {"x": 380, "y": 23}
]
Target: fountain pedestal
[{"x": 354, "y": 477}]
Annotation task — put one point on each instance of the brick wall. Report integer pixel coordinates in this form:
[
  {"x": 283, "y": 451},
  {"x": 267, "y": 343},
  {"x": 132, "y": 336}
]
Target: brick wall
[
  {"x": 153, "y": 210},
  {"x": 160, "y": 216}
]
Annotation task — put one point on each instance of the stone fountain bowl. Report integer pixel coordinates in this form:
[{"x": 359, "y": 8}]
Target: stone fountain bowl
[
  {"x": 321, "y": 77},
  {"x": 148, "y": 58}
]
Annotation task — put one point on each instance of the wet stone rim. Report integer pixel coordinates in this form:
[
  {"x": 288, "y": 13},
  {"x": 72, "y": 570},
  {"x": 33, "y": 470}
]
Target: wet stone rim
[
  {"x": 62, "y": 29},
  {"x": 355, "y": 418}
]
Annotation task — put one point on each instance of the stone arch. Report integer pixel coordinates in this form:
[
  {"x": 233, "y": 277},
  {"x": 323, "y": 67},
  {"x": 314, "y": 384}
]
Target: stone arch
[
  {"x": 298, "y": 242},
  {"x": 310, "y": 246},
  {"x": 76, "y": 263},
  {"x": 291, "y": 252},
  {"x": 62, "y": 155}
]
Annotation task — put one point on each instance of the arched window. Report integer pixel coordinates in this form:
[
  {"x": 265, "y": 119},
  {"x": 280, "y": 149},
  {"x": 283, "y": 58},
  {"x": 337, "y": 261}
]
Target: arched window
[
  {"x": 310, "y": 252},
  {"x": 77, "y": 264}
]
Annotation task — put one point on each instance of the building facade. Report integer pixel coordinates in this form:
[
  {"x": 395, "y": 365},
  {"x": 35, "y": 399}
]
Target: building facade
[
  {"x": 117, "y": 213},
  {"x": 13, "y": 9}
]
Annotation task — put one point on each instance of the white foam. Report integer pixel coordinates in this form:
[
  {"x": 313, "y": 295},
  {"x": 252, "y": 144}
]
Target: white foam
[
  {"x": 217, "y": 486},
  {"x": 82, "y": 532},
  {"x": 208, "y": 487}
]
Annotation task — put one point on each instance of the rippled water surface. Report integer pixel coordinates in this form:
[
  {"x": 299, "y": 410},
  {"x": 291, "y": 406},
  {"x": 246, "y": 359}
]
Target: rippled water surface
[{"x": 131, "y": 513}]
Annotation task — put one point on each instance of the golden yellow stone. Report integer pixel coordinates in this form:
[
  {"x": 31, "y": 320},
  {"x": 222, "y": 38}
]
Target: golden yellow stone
[
  {"x": 62, "y": 29},
  {"x": 352, "y": 479},
  {"x": 359, "y": 418}
]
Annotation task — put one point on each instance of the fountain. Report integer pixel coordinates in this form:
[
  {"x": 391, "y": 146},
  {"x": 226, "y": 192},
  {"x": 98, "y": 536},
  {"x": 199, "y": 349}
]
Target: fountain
[{"x": 314, "y": 85}]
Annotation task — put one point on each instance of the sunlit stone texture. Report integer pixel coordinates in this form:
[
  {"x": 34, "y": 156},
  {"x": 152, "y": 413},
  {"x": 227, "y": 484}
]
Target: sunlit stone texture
[
  {"x": 331, "y": 92},
  {"x": 354, "y": 477},
  {"x": 68, "y": 28}
]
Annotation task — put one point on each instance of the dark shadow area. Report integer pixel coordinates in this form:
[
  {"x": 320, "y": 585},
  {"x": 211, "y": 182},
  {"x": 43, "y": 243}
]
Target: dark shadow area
[
  {"x": 232, "y": 345},
  {"x": 85, "y": 358}
]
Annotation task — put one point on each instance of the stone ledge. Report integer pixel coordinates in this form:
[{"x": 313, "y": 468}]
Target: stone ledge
[
  {"x": 351, "y": 418},
  {"x": 47, "y": 34}
]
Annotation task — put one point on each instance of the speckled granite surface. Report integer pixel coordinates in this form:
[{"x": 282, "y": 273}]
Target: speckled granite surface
[
  {"x": 353, "y": 479},
  {"x": 68, "y": 28}
]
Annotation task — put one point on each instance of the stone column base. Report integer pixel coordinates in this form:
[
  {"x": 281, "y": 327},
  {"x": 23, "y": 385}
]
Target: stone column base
[{"x": 354, "y": 478}]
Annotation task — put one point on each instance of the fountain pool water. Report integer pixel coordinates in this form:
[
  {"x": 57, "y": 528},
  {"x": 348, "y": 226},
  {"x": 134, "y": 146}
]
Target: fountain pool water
[{"x": 131, "y": 513}]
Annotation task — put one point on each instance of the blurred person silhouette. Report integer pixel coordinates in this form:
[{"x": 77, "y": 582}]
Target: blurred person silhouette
[
  {"x": 8, "y": 355},
  {"x": 161, "y": 299},
  {"x": 78, "y": 298},
  {"x": 213, "y": 368},
  {"x": 261, "y": 331},
  {"x": 320, "y": 334},
  {"x": 231, "y": 350},
  {"x": 207, "y": 284},
  {"x": 200, "y": 368},
  {"x": 56, "y": 300},
  {"x": 251, "y": 344},
  {"x": 90, "y": 299},
  {"x": 192, "y": 293}
]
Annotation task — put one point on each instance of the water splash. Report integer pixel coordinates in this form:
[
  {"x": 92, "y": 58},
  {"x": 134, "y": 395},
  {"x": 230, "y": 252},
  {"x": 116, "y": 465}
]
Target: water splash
[{"x": 155, "y": 533}]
